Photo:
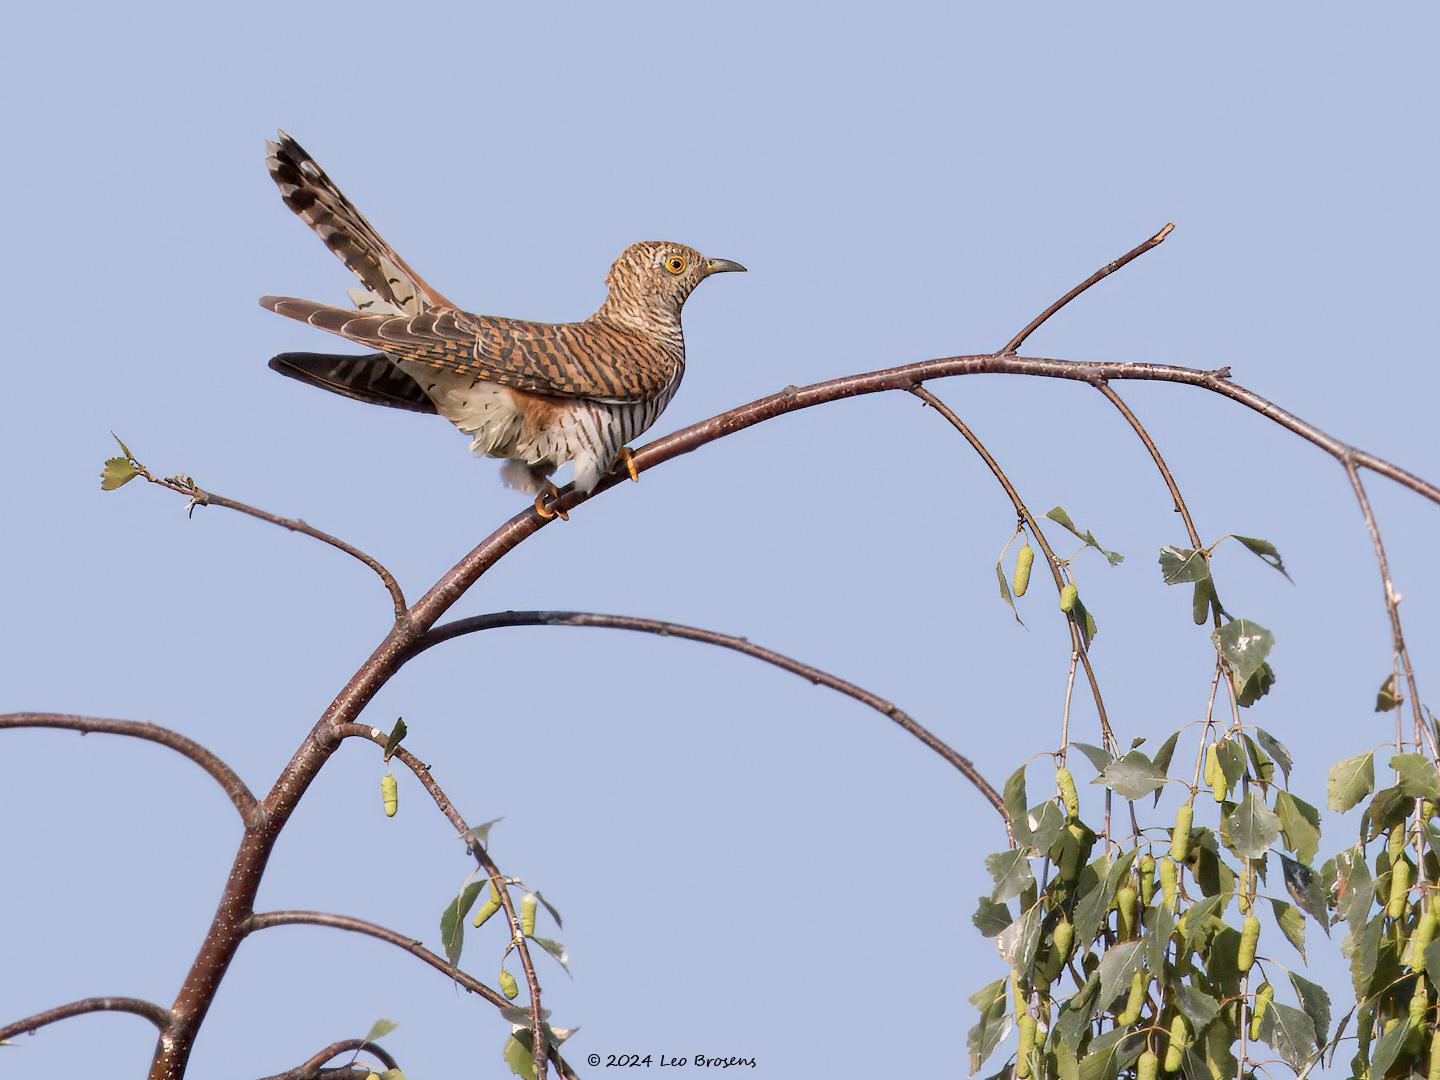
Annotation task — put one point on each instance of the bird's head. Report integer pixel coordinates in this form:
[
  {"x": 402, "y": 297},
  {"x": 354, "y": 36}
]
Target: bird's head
[{"x": 651, "y": 280}]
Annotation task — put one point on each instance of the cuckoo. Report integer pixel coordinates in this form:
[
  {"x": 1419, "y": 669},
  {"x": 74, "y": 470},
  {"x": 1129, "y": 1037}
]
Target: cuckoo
[{"x": 536, "y": 394}]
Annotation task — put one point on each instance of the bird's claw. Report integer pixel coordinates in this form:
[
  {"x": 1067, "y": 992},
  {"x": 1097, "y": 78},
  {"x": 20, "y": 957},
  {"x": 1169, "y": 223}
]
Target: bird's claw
[
  {"x": 545, "y": 504},
  {"x": 627, "y": 458}
]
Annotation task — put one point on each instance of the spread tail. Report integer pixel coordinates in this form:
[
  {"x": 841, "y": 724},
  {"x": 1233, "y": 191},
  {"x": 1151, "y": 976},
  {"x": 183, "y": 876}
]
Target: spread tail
[{"x": 368, "y": 377}]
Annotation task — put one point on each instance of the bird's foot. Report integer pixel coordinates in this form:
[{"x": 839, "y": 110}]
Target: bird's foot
[
  {"x": 544, "y": 503},
  {"x": 627, "y": 458}
]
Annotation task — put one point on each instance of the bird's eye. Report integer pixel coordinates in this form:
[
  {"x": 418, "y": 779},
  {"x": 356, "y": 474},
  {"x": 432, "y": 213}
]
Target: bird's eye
[{"x": 676, "y": 264}]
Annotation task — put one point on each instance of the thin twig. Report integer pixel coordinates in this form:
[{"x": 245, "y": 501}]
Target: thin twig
[
  {"x": 421, "y": 772},
  {"x": 1013, "y": 345},
  {"x": 184, "y": 485},
  {"x": 446, "y": 631},
  {"x": 1134, "y": 422},
  {"x": 223, "y": 774},
  {"x": 156, "y": 1014},
  {"x": 313, "y": 1066},
  {"x": 1077, "y": 640},
  {"x": 1392, "y": 607}
]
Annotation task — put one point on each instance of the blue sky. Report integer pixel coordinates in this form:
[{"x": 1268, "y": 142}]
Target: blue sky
[{"x": 747, "y": 865}]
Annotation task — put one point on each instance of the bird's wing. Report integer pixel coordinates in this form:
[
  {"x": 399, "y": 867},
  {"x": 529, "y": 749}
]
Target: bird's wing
[
  {"x": 323, "y": 206},
  {"x": 583, "y": 360}
]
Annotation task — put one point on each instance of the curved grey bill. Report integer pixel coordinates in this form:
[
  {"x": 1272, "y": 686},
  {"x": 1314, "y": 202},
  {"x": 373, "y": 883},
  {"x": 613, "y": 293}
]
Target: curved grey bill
[{"x": 722, "y": 266}]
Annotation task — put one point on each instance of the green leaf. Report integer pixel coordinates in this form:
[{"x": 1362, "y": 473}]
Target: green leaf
[
  {"x": 1262, "y": 766},
  {"x": 1019, "y": 941},
  {"x": 1005, "y": 590},
  {"x": 1290, "y": 1033},
  {"x": 1132, "y": 777},
  {"x": 1354, "y": 889},
  {"x": 1276, "y": 749},
  {"x": 1091, "y": 909},
  {"x": 518, "y": 1054},
  {"x": 1292, "y": 924},
  {"x": 1316, "y": 1003},
  {"x": 1162, "y": 760},
  {"x": 1015, "y": 800},
  {"x": 1179, "y": 565},
  {"x": 1109, "y": 1053},
  {"x": 1011, "y": 872},
  {"x": 1038, "y": 827},
  {"x": 1253, "y": 827},
  {"x": 1350, "y": 781},
  {"x": 1362, "y": 949},
  {"x": 1098, "y": 757},
  {"x": 452, "y": 920},
  {"x": 1304, "y": 887},
  {"x": 1300, "y": 823},
  {"x": 1198, "y": 915},
  {"x": 1389, "y": 697},
  {"x": 1232, "y": 760},
  {"x": 380, "y": 1029},
  {"x": 1117, "y": 968},
  {"x": 994, "y": 1024},
  {"x": 1418, "y": 778},
  {"x": 556, "y": 950},
  {"x": 1265, "y": 550},
  {"x": 1073, "y": 1023},
  {"x": 1199, "y": 1007},
  {"x": 1203, "y": 600},
  {"x": 1157, "y": 937},
  {"x": 990, "y": 918},
  {"x": 1432, "y": 955},
  {"x": 1388, "y": 1047},
  {"x": 1085, "y": 622},
  {"x": 550, "y": 909},
  {"x": 117, "y": 473},
  {"x": 1058, "y": 514},
  {"x": 1244, "y": 645},
  {"x": 123, "y": 448},
  {"x": 1253, "y": 688},
  {"x": 397, "y": 733}
]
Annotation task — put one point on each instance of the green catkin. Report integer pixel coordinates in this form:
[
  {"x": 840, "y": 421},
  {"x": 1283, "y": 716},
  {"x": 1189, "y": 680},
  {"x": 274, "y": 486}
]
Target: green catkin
[
  {"x": 1395, "y": 843},
  {"x": 1148, "y": 1067},
  {"x": 1147, "y": 878},
  {"x": 1180, "y": 836},
  {"x": 1419, "y": 1002},
  {"x": 1420, "y": 940},
  {"x": 1064, "y": 938},
  {"x": 1125, "y": 905},
  {"x": 1027, "y": 1045},
  {"x": 1175, "y": 1052},
  {"x": 527, "y": 915},
  {"x": 1399, "y": 888},
  {"x": 1427, "y": 809},
  {"x": 1169, "y": 883},
  {"x": 1072, "y": 854},
  {"x": 1131, "y": 1012},
  {"x": 1065, "y": 782},
  {"x": 1214, "y": 774},
  {"x": 1068, "y": 595},
  {"x": 1257, "y": 1012},
  {"x": 389, "y": 794},
  {"x": 508, "y": 986},
  {"x": 1023, "y": 562},
  {"x": 482, "y": 915},
  {"x": 1249, "y": 939}
]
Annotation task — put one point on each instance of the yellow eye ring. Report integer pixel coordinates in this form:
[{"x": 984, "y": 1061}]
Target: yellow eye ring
[{"x": 676, "y": 264}]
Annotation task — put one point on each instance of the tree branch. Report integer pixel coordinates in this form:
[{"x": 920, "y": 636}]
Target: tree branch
[
  {"x": 1013, "y": 345},
  {"x": 482, "y": 858},
  {"x": 186, "y": 486},
  {"x": 459, "y": 627},
  {"x": 237, "y": 899},
  {"x": 312, "y": 1067},
  {"x": 156, "y": 1014},
  {"x": 1077, "y": 640},
  {"x": 1139, "y": 428},
  {"x": 223, "y": 774},
  {"x": 265, "y": 920}
]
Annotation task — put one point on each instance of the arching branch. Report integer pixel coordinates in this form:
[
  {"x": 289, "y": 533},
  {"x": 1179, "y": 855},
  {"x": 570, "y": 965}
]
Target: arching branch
[
  {"x": 314, "y": 1066},
  {"x": 223, "y": 774},
  {"x": 459, "y": 627},
  {"x": 156, "y": 1014}
]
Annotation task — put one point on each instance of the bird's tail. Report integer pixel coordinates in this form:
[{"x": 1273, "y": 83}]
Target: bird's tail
[
  {"x": 368, "y": 377},
  {"x": 323, "y": 206}
]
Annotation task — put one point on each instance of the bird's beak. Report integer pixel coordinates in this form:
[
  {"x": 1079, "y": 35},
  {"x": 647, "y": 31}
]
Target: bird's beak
[{"x": 722, "y": 266}]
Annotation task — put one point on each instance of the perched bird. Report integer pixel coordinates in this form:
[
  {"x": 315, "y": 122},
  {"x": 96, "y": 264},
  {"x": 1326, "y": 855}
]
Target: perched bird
[{"x": 536, "y": 394}]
